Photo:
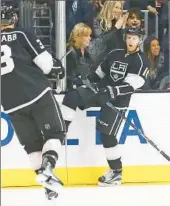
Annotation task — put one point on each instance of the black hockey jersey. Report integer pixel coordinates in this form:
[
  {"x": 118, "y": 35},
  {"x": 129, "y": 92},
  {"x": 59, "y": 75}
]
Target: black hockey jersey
[
  {"x": 24, "y": 60},
  {"x": 126, "y": 72}
]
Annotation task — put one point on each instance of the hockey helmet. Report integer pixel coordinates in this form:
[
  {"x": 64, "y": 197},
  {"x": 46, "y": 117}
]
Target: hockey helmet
[{"x": 135, "y": 31}]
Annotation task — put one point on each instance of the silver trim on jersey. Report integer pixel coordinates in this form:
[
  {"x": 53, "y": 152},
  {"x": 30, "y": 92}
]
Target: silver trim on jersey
[
  {"x": 28, "y": 103},
  {"x": 116, "y": 50},
  {"x": 113, "y": 124},
  {"x": 118, "y": 126},
  {"x": 141, "y": 63}
]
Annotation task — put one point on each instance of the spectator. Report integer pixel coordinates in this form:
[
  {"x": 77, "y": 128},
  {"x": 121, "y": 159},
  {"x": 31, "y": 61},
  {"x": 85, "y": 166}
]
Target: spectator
[
  {"x": 78, "y": 59},
  {"x": 105, "y": 25},
  {"x": 132, "y": 18},
  {"x": 159, "y": 7},
  {"x": 152, "y": 51},
  {"x": 77, "y": 11},
  {"x": 108, "y": 16}
]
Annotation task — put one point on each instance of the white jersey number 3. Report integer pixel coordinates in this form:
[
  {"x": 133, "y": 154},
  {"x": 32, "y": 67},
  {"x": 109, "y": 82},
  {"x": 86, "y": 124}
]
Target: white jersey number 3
[{"x": 7, "y": 63}]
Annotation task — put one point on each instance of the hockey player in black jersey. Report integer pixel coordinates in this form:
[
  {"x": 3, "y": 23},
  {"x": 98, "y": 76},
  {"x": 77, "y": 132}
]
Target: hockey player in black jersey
[
  {"x": 119, "y": 75},
  {"x": 27, "y": 98}
]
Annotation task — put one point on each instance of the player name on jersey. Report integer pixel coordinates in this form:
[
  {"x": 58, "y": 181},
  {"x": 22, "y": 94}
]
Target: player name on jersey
[{"x": 8, "y": 37}]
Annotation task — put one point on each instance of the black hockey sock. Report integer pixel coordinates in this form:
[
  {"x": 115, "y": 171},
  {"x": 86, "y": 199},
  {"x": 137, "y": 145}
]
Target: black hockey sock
[
  {"x": 50, "y": 156},
  {"x": 115, "y": 164}
]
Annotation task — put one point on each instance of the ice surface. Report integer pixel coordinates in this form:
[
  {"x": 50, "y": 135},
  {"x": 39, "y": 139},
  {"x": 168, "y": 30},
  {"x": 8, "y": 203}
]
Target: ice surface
[{"x": 155, "y": 195}]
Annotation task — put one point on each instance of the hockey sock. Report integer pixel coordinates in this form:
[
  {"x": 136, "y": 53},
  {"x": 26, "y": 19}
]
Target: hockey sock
[
  {"x": 115, "y": 164},
  {"x": 51, "y": 157},
  {"x": 51, "y": 151}
]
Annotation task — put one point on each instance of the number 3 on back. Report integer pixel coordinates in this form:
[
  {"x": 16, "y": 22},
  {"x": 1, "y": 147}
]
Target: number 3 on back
[{"x": 7, "y": 63}]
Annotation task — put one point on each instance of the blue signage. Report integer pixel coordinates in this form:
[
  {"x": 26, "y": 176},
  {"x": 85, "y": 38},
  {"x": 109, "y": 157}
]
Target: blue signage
[{"x": 127, "y": 131}]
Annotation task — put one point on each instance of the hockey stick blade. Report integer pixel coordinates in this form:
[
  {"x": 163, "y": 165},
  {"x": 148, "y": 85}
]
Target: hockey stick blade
[{"x": 167, "y": 157}]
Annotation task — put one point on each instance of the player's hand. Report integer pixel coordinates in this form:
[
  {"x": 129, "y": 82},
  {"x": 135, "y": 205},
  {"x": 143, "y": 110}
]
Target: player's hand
[
  {"x": 121, "y": 21},
  {"x": 62, "y": 73},
  {"x": 61, "y": 69},
  {"x": 77, "y": 82},
  {"x": 108, "y": 92},
  {"x": 58, "y": 71}
]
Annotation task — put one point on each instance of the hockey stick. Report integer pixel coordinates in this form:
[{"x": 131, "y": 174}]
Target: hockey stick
[{"x": 88, "y": 84}]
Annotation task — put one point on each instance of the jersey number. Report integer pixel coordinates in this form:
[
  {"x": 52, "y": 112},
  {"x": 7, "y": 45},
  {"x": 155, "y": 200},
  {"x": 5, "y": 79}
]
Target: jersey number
[{"x": 7, "y": 63}]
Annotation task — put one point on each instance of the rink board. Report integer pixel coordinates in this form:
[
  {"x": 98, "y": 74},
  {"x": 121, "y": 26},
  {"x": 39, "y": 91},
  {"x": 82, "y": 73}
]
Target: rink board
[{"x": 82, "y": 161}]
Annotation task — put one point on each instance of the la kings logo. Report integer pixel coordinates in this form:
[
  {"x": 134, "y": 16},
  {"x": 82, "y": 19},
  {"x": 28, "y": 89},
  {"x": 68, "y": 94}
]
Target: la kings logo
[{"x": 118, "y": 70}]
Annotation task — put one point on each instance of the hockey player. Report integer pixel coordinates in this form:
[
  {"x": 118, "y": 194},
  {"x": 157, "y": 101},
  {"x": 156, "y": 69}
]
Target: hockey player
[
  {"x": 119, "y": 75},
  {"x": 27, "y": 98}
]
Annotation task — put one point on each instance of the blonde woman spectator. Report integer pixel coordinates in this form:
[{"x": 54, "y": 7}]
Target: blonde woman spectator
[
  {"x": 109, "y": 14},
  {"x": 78, "y": 59}
]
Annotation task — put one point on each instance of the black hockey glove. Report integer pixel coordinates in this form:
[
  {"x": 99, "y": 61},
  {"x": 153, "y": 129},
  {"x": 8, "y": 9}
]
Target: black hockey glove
[
  {"x": 77, "y": 82},
  {"x": 57, "y": 71},
  {"x": 106, "y": 94},
  {"x": 110, "y": 91}
]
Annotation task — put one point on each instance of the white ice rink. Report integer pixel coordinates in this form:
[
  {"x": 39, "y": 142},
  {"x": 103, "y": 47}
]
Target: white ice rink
[{"x": 91, "y": 196}]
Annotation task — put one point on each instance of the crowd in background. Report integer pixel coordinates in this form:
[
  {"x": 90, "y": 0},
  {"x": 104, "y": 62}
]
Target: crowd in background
[{"x": 95, "y": 27}]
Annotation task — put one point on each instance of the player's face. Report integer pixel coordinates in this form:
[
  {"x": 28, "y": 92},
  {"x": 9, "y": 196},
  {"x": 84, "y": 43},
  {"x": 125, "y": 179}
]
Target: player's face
[
  {"x": 117, "y": 10},
  {"x": 155, "y": 48},
  {"x": 132, "y": 42},
  {"x": 133, "y": 21}
]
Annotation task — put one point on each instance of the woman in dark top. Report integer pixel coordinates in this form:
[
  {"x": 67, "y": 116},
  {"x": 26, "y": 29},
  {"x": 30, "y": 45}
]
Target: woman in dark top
[
  {"x": 78, "y": 60},
  {"x": 152, "y": 51}
]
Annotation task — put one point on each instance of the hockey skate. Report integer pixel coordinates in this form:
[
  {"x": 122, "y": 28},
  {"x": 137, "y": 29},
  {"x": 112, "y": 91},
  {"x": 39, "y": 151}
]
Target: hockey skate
[
  {"x": 110, "y": 178},
  {"x": 47, "y": 178}
]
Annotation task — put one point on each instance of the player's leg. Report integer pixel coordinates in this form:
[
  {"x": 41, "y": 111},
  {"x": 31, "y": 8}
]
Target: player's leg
[
  {"x": 109, "y": 124},
  {"x": 49, "y": 120},
  {"x": 32, "y": 140},
  {"x": 29, "y": 136}
]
